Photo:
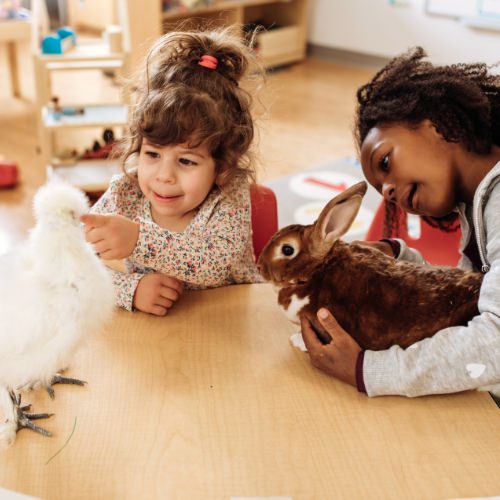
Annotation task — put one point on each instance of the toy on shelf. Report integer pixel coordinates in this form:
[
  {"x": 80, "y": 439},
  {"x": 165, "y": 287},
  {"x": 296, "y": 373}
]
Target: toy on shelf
[
  {"x": 101, "y": 151},
  {"x": 59, "y": 42},
  {"x": 8, "y": 173},
  {"x": 58, "y": 111}
]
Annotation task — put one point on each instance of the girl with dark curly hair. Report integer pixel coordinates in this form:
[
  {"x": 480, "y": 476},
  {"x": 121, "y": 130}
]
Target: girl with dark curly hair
[{"x": 429, "y": 142}]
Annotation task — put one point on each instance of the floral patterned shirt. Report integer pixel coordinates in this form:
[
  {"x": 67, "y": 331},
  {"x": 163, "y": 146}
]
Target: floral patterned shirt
[{"x": 214, "y": 250}]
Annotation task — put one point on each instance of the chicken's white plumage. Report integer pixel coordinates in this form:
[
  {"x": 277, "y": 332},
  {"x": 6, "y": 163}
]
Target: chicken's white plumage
[{"x": 54, "y": 291}]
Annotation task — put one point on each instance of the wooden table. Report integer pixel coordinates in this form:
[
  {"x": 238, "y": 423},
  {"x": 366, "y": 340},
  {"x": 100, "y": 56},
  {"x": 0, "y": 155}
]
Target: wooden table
[{"x": 211, "y": 402}]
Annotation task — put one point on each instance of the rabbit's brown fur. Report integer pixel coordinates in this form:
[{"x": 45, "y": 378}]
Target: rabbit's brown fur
[{"x": 379, "y": 300}]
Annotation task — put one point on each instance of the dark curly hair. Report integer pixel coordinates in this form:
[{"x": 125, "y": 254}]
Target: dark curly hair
[{"x": 461, "y": 100}]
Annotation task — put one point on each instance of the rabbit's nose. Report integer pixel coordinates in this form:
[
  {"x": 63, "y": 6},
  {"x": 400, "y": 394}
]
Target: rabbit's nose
[{"x": 389, "y": 191}]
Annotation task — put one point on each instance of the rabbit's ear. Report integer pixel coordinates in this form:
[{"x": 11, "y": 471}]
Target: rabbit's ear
[{"x": 338, "y": 215}]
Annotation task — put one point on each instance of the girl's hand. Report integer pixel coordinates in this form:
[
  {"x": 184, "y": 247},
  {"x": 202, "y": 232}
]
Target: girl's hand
[
  {"x": 156, "y": 293},
  {"x": 338, "y": 358},
  {"x": 113, "y": 236}
]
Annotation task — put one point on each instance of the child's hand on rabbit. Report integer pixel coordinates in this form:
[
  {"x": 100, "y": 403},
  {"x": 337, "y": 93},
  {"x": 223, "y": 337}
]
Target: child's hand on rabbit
[{"x": 339, "y": 357}]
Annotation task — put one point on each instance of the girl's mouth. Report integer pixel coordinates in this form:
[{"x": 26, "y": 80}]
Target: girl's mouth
[
  {"x": 411, "y": 195},
  {"x": 165, "y": 199}
]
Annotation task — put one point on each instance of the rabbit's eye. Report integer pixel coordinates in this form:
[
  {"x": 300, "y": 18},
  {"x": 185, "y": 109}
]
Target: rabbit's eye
[{"x": 287, "y": 250}]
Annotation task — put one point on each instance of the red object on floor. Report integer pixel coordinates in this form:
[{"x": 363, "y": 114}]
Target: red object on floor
[
  {"x": 437, "y": 247},
  {"x": 8, "y": 174}
]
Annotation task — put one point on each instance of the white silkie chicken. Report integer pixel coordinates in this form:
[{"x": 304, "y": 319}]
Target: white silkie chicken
[{"x": 54, "y": 291}]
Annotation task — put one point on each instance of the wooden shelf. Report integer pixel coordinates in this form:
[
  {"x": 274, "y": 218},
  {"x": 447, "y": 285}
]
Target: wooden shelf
[
  {"x": 90, "y": 176},
  {"x": 102, "y": 115},
  {"x": 214, "y": 7},
  {"x": 147, "y": 22},
  {"x": 83, "y": 52}
]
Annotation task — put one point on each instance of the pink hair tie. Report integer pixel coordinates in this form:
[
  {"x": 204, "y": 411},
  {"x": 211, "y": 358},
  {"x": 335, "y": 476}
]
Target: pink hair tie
[{"x": 209, "y": 62}]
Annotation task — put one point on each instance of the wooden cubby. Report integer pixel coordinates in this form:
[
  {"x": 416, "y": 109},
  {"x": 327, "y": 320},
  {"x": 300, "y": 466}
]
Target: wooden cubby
[{"x": 282, "y": 42}]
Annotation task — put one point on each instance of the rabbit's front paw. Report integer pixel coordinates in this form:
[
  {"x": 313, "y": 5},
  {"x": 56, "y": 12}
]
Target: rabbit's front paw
[{"x": 298, "y": 342}]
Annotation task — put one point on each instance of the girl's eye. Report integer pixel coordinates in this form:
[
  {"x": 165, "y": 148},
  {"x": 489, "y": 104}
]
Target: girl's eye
[
  {"x": 187, "y": 162},
  {"x": 152, "y": 154},
  {"x": 287, "y": 250},
  {"x": 384, "y": 163}
]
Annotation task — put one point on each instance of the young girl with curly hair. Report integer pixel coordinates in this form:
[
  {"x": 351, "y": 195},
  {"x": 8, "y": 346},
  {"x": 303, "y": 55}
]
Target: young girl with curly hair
[
  {"x": 429, "y": 141},
  {"x": 180, "y": 214}
]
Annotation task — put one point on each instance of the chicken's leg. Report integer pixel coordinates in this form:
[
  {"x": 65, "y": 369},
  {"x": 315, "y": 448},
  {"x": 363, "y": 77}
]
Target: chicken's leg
[{"x": 16, "y": 418}]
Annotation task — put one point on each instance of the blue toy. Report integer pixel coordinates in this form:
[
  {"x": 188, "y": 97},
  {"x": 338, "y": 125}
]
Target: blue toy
[{"x": 59, "y": 42}]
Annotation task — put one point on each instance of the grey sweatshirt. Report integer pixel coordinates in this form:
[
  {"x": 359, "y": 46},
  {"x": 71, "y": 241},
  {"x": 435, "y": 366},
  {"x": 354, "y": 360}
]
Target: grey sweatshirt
[{"x": 462, "y": 357}]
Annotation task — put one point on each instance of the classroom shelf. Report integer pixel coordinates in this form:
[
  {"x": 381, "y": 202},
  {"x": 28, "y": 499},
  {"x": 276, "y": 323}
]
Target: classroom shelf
[
  {"x": 282, "y": 42},
  {"x": 105, "y": 115},
  {"x": 90, "y": 176}
]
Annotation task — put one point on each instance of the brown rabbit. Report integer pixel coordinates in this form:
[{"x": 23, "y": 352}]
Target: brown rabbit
[{"x": 379, "y": 300}]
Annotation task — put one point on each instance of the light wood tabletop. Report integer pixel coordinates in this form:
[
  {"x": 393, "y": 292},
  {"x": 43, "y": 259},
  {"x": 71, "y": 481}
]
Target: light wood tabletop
[{"x": 212, "y": 402}]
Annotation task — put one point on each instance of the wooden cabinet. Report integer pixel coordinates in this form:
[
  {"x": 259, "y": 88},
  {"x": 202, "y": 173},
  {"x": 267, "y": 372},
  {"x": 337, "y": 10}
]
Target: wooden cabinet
[{"x": 285, "y": 21}]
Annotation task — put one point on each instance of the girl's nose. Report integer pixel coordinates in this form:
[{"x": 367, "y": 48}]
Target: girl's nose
[
  {"x": 166, "y": 174},
  {"x": 388, "y": 191}
]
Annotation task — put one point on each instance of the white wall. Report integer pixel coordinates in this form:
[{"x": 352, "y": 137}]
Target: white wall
[{"x": 385, "y": 28}]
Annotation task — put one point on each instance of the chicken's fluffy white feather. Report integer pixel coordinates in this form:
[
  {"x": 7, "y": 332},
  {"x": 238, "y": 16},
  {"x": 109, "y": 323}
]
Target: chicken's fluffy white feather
[{"x": 54, "y": 291}]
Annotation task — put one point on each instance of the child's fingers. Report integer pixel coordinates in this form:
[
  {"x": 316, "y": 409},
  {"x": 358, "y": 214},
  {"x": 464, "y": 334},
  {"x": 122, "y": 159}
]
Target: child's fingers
[
  {"x": 164, "y": 302},
  {"x": 173, "y": 283},
  {"x": 329, "y": 323},
  {"x": 169, "y": 293},
  {"x": 341, "y": 339},
  {"x": 104, "y": 252},
  {"x": 309, "y": 335},
  {"x": 158, "y": 310},
  {"x": 95, "y": 236},
  {"x": 94, "y": 220}
]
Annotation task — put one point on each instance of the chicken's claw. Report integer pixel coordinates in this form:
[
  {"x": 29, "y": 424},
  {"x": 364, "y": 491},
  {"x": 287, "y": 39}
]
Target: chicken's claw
[
  {"x": 59, "y": 379},
  {"x": 24, "y": 419}
]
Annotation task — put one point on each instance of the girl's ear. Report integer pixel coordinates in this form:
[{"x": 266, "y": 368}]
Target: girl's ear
[
  {"x": 427, "y": 124},
  {"x": 219, "y": 180},
  {"x": 338, "y": 215}
]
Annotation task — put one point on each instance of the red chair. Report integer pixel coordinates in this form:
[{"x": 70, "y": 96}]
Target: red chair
[
  {"x": 437, "y": 247},
  {"x": 264, "y": 216}
]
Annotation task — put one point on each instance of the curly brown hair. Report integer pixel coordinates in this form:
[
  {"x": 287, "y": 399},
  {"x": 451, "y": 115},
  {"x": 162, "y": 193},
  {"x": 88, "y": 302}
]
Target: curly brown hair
[
  {"x": 177, "y": 100},
  {"x": 461, "y": 100}
]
